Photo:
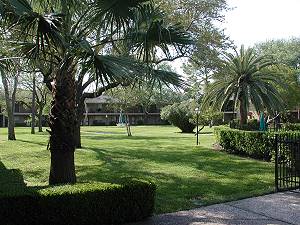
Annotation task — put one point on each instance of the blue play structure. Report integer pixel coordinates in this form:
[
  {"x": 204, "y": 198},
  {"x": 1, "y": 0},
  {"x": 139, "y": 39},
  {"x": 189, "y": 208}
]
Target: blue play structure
[
  {"x": 262, "y": 122},
  {"x": 122, "y": 119}
]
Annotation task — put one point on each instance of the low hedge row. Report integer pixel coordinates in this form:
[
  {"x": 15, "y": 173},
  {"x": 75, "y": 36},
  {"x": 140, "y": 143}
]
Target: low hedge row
[
  {"x": 255, "y": 144},
  {"x": 292, "y": 126},
  {"x": 84, "y": 204}
]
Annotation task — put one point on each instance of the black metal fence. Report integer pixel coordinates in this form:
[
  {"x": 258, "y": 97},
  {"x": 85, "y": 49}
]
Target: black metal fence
[{"x": 287, "y": 162}]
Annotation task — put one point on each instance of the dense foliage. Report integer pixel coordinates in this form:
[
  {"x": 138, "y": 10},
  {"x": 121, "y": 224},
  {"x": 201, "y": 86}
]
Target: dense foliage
[
  {"x": 202, "y": 19},
  {"x": 292, "y": 126},
  {"x": 89, "y": 203},
  {"x": 254, "y": 144},
  {"x": 286, "y": 55},
  {"x": 180, "y": 115},
  {"x": 208, "y": 118},
  {"x": 248, "y": 80}
]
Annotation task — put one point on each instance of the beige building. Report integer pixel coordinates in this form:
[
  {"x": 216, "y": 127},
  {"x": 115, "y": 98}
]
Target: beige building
[{"x": 103, "y": 110}]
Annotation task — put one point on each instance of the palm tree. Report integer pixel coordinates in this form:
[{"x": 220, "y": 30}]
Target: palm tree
[
  {"x": 83, "y": 42},
  {"x": 249, "y": 79}
]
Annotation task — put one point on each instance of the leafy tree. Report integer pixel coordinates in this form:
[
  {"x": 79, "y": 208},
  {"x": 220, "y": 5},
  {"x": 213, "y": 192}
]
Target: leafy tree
[
  {"x": 283, "y": 51},
  {"x": 180, "y": 115},
  {"x": 209, "y": 117},
  {"x": 249, "y": 80},
  {"x": 144, "y": 96},
  {"x": 201, "y": 18},
  {"x": 286, "y": 53},
  {"x": 10, "y": 84},
  {"x": 40, "y": 93},
  {"x": 83, "y": 42}
]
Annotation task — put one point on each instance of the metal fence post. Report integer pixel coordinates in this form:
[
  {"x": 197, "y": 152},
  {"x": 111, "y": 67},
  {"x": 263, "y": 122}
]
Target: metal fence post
[{"x": 276, "y": 162}]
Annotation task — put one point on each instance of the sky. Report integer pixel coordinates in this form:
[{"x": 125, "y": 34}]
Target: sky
[{"x": 252, "y": 21}]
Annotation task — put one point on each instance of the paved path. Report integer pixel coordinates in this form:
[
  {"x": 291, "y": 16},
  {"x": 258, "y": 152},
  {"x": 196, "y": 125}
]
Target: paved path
[{"x": 279, "y": 208}]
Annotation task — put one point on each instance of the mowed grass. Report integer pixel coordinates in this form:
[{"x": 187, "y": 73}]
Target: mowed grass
[{"x": 187, "y": 176}]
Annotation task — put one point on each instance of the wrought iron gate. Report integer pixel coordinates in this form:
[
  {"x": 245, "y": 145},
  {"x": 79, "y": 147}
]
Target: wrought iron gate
[{"x": 287, "y": 162}]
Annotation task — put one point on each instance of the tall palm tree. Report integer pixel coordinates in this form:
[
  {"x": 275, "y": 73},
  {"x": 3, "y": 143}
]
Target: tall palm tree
[
  {"x": 248, "y": 79},
  {"x": 83, "y": 42}
]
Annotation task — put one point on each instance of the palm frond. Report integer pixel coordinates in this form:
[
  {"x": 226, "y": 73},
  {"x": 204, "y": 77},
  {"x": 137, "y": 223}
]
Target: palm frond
[
  {"x": 151, "y": 34},
  {"x": 42, "y": 29},
  {"x": 114, "y": 14},
  {"x": 251, "y": 80},
  {"x": 167, "y": 78}
]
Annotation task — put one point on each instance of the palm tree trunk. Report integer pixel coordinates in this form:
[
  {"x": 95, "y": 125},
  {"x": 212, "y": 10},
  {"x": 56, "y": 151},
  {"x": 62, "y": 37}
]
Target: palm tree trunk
[
  {"x": 62, "y": 120},
  {"x": 77, "y": 136},
  {"x": 243, "y": 112}
]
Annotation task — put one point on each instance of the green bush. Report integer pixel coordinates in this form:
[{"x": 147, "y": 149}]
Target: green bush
[
  {"x": 255, "y": 144},
  {"x": 86, "y": 203},
  {"x": 180, "y": 115},
  {"x": 292, "y": 126},
  {"x": 210, "y": 117}
]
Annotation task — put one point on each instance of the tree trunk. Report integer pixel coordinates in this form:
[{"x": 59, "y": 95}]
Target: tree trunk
[
  {"x": 79, "y": 118},
  {"x": 243, "y": 112},
  {"x": 33, "y": 106},
  {"x": 127, "y": 123},
  {"x": 62, "y": 167},
  {"x": 62, "y": 120},
  {"x": 77, "y": 136},
  {"x": 11, "y": 127},
  {"x": 40, "y": 119},
  {"x": 10, "y": 106}
]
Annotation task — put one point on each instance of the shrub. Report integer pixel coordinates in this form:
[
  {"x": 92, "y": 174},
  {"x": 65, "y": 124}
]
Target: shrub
[
  {"x": 255, "y": 144},
  {"x": 179, "y": 115},
  {"x": 292, "y": 126},
  {"x": 86, "y": 203},
  {"x": 208, "y": 118}
]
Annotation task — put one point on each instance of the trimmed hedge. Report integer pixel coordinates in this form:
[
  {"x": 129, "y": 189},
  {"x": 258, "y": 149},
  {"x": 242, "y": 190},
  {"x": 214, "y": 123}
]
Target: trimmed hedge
[
  {"x": 255, "y": 144},
  {"x": 292, "y": 126},
  {"x": 82, "y": 204}
]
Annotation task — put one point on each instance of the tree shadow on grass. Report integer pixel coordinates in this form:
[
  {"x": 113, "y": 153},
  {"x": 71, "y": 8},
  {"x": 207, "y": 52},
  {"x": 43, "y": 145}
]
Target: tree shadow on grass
[
  {"x": 41, "y": 143},
  {"x": 177, "y": 192},
  {"x": 214, "y": 177},
  {"x": 204, "y": 160},
  {"x": 135, "y": 137},
  {"x": 11, "y": 181}
]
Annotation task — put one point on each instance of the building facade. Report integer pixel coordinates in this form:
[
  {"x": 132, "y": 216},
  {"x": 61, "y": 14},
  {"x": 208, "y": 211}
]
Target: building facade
[{"x": 98, "y": 112}]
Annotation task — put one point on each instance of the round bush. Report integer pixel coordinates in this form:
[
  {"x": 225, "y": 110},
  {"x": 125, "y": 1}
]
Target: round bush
[{"x": 179, "y": 115}]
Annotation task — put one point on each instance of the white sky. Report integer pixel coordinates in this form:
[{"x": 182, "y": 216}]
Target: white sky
[{"x": 253, "y": 21}]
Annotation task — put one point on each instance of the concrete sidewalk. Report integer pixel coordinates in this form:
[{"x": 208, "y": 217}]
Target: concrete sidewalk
[{"x": 278, "y": 208}]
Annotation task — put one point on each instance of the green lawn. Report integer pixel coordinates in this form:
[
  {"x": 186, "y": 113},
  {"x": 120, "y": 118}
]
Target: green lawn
[{"x": 186, "y": 175}]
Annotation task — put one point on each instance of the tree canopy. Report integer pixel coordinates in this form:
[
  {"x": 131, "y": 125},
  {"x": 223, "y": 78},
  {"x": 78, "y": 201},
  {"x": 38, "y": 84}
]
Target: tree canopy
[{"x": 249, "y": 80}]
